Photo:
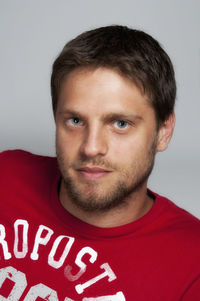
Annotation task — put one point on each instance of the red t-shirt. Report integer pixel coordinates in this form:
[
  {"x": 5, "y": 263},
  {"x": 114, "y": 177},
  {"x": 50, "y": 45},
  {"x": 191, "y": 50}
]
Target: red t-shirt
[{"x": 48, "y": 254}]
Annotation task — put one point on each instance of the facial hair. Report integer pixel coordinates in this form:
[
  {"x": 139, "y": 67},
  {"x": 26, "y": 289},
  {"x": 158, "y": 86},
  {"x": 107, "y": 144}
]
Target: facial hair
[{"x": 119, "y": 192}]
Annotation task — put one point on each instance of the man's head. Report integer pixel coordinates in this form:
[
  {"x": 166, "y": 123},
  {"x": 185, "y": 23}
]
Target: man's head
[
  {"x": 113, "y": 93},
  {"x": 132, "y": 53}
]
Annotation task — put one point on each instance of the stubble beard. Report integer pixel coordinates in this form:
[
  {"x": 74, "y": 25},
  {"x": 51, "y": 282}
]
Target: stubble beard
[{"x": 91, "y": 201}]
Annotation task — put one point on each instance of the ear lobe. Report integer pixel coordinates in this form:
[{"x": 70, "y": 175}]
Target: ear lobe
[{"x": 165, "y": 133}]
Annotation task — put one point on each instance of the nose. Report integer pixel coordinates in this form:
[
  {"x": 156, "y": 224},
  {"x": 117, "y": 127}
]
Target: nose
[{"x": 95, "y": 142}]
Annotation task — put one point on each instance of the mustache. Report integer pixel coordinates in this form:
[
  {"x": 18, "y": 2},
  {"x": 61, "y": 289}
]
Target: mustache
[
  {"x": 100, "y": 162},
  {"x": 84, "y": 160}
]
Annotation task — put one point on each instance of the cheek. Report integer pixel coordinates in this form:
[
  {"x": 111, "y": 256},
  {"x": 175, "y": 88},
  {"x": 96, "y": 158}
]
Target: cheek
[
  {"x": 67, "y": 144},
  {"x": 61, "y": 142},
  {"x": 122, "y": 153},
  {"x": 127, "y": 152},
  {"x": 126, "y": 147}
]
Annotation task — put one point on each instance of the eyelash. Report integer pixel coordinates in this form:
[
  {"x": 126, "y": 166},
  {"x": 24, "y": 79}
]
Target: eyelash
[
  {"x": 124, "y": 121},
  {"x": 70, "y": 122}
]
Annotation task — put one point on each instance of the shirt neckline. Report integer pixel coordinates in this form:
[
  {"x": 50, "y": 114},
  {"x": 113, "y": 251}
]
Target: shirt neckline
[{"x": 86, "y": 230}]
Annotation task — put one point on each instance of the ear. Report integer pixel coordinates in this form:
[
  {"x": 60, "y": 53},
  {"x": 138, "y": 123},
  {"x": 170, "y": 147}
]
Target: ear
[{"x": 165, "y": 133}]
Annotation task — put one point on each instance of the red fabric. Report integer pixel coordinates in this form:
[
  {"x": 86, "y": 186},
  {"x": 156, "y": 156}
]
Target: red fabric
[
  {"x": 192, "y": 292},
  {"x": 47, "y": 254}
]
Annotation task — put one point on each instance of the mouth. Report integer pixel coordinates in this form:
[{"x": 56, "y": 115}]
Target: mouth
[{"x": 92, "y": 173}]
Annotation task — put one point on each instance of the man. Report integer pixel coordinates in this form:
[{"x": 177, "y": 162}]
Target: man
[{"x": 88, "y": 228}]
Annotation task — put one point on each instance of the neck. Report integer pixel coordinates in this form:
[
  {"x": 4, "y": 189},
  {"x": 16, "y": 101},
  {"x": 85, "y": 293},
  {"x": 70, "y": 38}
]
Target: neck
[{"x": 136, "y": 206}]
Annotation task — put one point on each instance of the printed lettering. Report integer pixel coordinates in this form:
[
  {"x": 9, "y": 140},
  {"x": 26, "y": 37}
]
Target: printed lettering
[
  {"x": 24, "y": 245},
  {"x": 42, "y": 291},
  {"x": 58, "y": 263},
  {"x": 7, "y": 254},
  {"x": 107, "y": 272},
  {"x": 80, "y": 263},
  {"x": 60, "y": 247},
  {"x": 118, "y": 297},
  {"x": 39, "y": 240},
  {"x": 18, "y": 278}
]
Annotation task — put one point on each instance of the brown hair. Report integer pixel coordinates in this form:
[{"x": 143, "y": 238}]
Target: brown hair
[{"x": 132, "y": 53}]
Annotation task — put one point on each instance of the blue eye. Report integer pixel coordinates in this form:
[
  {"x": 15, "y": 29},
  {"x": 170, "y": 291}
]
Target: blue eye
[
  {"x": 75, "y": 121},
  {"x": 121, "y": 124}
]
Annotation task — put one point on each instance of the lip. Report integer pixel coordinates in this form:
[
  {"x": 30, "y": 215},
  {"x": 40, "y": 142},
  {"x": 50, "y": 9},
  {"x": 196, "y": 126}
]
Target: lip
[{"x": 92, "y": 173}]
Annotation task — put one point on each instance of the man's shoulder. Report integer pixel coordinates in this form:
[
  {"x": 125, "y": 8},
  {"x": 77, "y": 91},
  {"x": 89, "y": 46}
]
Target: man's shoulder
[
  {"x": 18, "y": 156},
  {"x": 19, "y": 162},
  {"x": 181, "y": 224}
]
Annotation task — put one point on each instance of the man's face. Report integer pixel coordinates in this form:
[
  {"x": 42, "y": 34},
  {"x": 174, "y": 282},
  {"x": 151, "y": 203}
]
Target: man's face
[{"x": 106, "y": 138}]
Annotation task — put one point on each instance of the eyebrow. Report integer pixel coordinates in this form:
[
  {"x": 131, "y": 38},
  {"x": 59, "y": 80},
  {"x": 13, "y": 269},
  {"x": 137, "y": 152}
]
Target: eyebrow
[
  {"x": 106, "y": 117},
  {"x": 119, "y": 116}
]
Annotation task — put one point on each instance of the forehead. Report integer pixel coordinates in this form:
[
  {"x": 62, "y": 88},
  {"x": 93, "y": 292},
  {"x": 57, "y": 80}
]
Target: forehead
[{"x": 100, "y": 89}]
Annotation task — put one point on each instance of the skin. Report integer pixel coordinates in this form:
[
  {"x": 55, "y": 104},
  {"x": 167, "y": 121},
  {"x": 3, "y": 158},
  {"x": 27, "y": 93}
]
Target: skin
[{"x": 106, "y": 141}]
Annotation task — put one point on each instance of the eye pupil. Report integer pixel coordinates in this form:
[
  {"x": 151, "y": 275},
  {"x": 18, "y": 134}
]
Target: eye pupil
[
  {"x": 76, "y": 120},
  {"x": 121, "y": 123}
]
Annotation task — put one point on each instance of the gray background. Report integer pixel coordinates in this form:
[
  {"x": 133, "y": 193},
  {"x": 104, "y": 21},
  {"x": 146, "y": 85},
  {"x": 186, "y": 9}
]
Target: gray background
[{"x": 32, "y": 34}]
